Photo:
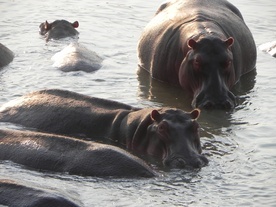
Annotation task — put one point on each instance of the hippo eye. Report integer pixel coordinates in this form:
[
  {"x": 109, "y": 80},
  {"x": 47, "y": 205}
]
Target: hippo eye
[
  {"x": 197, "y": 63},
  {"x": 227, "y": 64},
  {"x": 163, "y": 128}
]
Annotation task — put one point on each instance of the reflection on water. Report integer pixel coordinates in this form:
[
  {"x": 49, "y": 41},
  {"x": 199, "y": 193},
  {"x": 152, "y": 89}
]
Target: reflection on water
[
  {"x": 239, "y": 144},
  {"x": 159, "y": 92}
]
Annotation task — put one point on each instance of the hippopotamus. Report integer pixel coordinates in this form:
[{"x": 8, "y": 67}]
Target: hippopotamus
[
  {"x": 269, "y": 47},
  {"x": 167, "y": 135},
  {"x": 15, "y": 194},
  {"x": 75, "y": 57},
  {"x": 6, "y": 55},
  {"x": 44, "y": 151},
  {"x": 58, "y": 29},
  {"x": 203, "y": 46}
]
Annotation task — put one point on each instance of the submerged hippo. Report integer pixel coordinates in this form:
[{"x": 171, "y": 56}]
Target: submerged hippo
[
  {"x": 58, "y": 29},
  {"x": 203, "y": 46},
  {"x": 14, "y": 194},
  {"x": 43, "y": 151},
  {"x": 6, "y": 55},
  {"x": 170, "y": 135},
  {"x": 76, "y": 57}
]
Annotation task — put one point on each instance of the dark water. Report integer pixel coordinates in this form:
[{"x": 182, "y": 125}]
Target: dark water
[{"x": 241, "y": 145}]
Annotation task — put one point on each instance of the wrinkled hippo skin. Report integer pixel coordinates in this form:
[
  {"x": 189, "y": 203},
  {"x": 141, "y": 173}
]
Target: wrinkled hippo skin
[
  {"x": 6, "y": 55},
  {"x": 76, "y": 57},
  {"x": 170, "y": 135},
  {"x": 58, "y": 29},
  {"x": 14, "y": 194},
  {"x": 269, "y": 47},
  {"x": 43, "y": 151},
  {"x": 203, "y": 46}
]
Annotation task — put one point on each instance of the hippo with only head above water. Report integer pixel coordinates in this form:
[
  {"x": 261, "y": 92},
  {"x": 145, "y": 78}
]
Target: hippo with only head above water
[
  {"x": 14, "y": 194},
  {"x": 6, "y": 55},
  {"x": 58, "y": 29},
  {"x": 170, "y": 135},
  {"x": 44, "y": 151},
  {"x": 203, "y": 46}
]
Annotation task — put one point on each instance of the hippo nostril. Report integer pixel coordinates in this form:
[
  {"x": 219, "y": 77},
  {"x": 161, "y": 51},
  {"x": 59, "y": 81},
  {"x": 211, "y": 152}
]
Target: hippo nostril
[
  {"x": 208, "y": 105},
  {"x": 204, "y": 160},
  {"x": 227, "y": 105},
  {"x": 180, "y": 162},
  {"x": 199, "y": 162}
]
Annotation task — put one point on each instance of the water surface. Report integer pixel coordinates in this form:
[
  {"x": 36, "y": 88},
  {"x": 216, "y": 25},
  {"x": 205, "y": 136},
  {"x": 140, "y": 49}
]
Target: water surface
[{"x": 239, "y": 144}]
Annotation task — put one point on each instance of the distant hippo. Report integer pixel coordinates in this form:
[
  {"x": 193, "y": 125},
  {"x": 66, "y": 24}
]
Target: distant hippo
[
  {"x": 269, "y": 47},
  {"x": 203, "y": 46},
  {"x": 43, "y": 151},
  {"x": 76, "y": 57},
  {"x": 14, "y": 194},
  {"x": 170, "y": 135},
  {"x": 58, "y": 29},
  {"x": 6, "y": 55}
]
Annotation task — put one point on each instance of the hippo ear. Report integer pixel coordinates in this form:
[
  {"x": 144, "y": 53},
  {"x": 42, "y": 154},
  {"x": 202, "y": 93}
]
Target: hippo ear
[
  {"x": 229, "y": 42},
  {"x": 195, "y": 114},
  {"x": 192, "y": 43},
  {"x": 47, "y": 26},
  {"x": 75, "y": 24},
  {"x": 155, "y": 115}
]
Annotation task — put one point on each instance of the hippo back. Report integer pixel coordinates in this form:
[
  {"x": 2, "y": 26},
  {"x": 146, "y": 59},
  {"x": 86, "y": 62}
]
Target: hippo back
[
  {"x": 6, "y": 55},
  {"x": 75, "y": 57},
  {"x": 175, "y": 23},
  {"x": 65, "y": 112},
  {"x": 15, "y": 194}
]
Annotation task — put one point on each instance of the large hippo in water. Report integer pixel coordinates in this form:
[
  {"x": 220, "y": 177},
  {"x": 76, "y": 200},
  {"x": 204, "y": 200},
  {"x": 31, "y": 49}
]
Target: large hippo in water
[
  {"x": 14, "y": 194},
  {"x": 170, "y": 135},
  {"x": 6, "y": 55},
  {"x": 58, "y": 29},
  {"x": 203, "y": 46},
  {"x": 43, "y": 151}
]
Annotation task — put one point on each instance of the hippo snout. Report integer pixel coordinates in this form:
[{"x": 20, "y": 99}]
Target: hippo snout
[
  {"x": 207, "y": 102},
  {"x": 208, "y": 105},
  {"x": 179, "y": 162},
  {"x": 175, "y": 163}
]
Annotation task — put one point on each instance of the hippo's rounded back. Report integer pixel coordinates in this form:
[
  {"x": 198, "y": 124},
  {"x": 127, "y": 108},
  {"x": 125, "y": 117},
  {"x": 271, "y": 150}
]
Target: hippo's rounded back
[{"x": 6, "y": 55}]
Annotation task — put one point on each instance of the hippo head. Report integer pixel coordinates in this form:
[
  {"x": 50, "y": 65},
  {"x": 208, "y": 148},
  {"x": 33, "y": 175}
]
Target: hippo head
[
  {"x": 208, "y": 73},
  {"x": 173, "y": 136},
  {"x": 58, "y": 29}
]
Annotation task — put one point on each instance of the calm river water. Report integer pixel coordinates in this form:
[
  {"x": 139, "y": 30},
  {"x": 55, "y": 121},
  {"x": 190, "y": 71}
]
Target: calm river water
[{"x": 241, "y": 145}]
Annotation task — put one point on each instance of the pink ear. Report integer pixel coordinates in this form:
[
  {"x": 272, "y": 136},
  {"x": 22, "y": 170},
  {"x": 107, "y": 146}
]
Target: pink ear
[
  {"x": 47, "y": 26},
  {"x": 75, "y": 24},
  {"x": 195, "y": 114},
  {"x": 155, "y": 115},
  {"x": 229, "y": 42},
  {"x": 192, "y": 43}
]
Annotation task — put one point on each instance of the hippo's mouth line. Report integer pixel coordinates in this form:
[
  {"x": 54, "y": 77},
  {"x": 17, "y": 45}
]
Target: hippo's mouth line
[
  {"x": 193, "y": 162},
  {"x": 175, "y": 161}
]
